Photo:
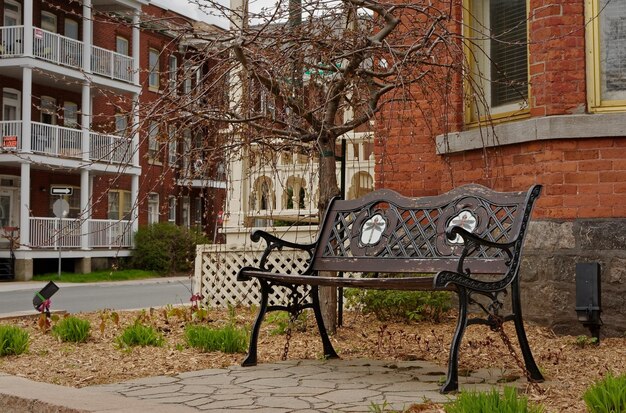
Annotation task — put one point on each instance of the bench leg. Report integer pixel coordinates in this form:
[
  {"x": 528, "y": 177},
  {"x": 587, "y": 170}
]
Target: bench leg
[
  {"x": 250, "y": 359},
  {"x": 452, "y": 381},
  {"x": 329, "y": 351},
  {"x": 531, "y": 367}
]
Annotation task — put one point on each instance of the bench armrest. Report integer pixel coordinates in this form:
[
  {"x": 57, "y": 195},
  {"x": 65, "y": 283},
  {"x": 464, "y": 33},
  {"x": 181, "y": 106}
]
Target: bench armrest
[
  {"x": 273, "y": 242},
  {"x": 463, "y": 277}
]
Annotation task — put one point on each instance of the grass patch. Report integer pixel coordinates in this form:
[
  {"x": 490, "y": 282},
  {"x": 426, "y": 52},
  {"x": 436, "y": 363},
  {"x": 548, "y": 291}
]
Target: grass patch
[
  {"x": 72, "y": 329},
  {"x": 13, "y": 340},
  {"x": 139, "y": 334},
  {"x": 98, "y": 276},
  {"x": 607, "y": 395},
  {"x": 492, "y": 402},
  {"x": 228, "y": 339}
]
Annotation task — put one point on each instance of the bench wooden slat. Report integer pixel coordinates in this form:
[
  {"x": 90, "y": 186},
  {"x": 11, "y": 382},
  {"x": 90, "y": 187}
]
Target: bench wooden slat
[{"x": 403, "y": 283}]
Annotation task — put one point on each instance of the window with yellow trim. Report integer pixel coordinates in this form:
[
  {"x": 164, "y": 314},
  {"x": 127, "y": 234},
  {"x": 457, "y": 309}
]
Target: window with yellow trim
[
  {"x": 497, "y": 51},
  {"x": 606, "y": 42},
  {"x": 120, "y": 204}
]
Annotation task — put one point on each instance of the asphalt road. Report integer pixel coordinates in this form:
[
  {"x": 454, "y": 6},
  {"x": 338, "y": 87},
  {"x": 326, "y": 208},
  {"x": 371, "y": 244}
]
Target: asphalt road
[{"x": 17, "y": 297}]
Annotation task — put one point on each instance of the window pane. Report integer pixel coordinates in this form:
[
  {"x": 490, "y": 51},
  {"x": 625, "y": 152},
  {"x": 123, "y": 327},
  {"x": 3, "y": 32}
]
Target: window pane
[
  {"x": 509, "y": 62},
  {"x": 48, "y": 21},
  {"x": 121, "y": 45},
  {"x": 70, "y": 115},
  {"x": 71, "y": 29},
  {"x": 172, "y": 209},
  {"x": 613, "y": 49},
  {"x": 153, "y": 64},
  {"x": 114, "y": 204}
]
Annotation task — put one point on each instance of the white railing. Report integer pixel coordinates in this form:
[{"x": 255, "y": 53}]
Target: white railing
[
  {"x": 65, "y": 233},
  {"x": 110, "y": 233},
  {"x": 65, "y": 51},
  {"x": 11, "y": 41},
  {"x": 111, "y": 64},
  {"x": 54, "y": 232},
  {"x": 57, "y": 49},
  {"x": 109, "y": 148},
  {"x": 56, "y": 140},
  {"x": 11, "y": 134}
]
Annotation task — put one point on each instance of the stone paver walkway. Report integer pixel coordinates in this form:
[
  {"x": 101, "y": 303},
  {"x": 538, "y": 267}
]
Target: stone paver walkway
[{"x": 303, "y": 386}]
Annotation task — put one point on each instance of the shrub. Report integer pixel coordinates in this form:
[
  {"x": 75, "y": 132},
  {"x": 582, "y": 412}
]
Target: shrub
[
  {"x": 13, "y": 340},
  {"x": 72, "y": 329},
  {"x": 139, "y": 334},
  {"x": 607, "y": 395},
  {"x": 492, "y": 402},
  {"x": 166, "y": 248},
  {"x": 400, "y": 305},
  {"x": 228, "y": 339}
]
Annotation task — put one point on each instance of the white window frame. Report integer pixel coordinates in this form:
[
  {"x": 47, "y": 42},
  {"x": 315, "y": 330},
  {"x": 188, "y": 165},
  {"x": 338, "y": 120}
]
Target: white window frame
[
  {"x": 153, "y": 208},
  {"x": 477, "y": 14},
  {"x": 172, "y": 145},
  {"x": 12, "y": 14},
  {"x": 70, "y": 114},
  {"x": 121, "y": 124},
  {"x": 153, "y": 69},
  {"x": 171, "y": 211},
  {"x": 46, "y": 23},
  {"x": 119, "y": 208},
  {"x": 67, "y": 27},
  {"x": 122, "y": 45},
  {"x": 185, "y": 212},
  {"x": 153, "y": 140},
  {"x": 9, "y": 101},
  {"x": 173, "y": 73},
  {"x": 48, "y": 106}
]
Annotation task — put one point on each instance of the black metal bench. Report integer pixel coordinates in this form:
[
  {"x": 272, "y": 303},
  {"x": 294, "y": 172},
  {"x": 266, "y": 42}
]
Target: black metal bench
[{"x": 470, "y": 238}]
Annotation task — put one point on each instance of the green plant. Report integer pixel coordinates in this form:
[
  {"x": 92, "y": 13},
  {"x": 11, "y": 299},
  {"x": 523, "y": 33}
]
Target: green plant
[
  {"x": 138, "y": 334},
  {"x": 584, "y": 341},
  {"x": 166, "y": 248},
  {"x": 228, "y": 339},
  {"x": 72, "y": 329},
  {"x": 607, "y": 395},
  {"x": 400, "y": 305},
  {"x": 13, "y": 340},
  {"x": 492, "y": 402}
]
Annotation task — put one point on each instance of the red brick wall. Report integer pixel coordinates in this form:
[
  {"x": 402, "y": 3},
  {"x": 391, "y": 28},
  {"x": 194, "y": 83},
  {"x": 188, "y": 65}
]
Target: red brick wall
[{"x": 583, "y": 178}]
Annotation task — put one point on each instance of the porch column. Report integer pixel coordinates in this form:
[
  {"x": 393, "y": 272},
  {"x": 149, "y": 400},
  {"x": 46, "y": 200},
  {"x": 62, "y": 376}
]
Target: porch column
[
  {"x": 24, "y": 205},
  {"x": 85, "y": 108},
  {"x": 87, "y": 35},
  {"x": 85, "y": 210},
  {"x": 135, "y": 131},
  {"x": 28, "y": 27},
  {"x": 135, "y": 47},
  {"x": 134, "y": 199},
  {"x": 27, "y": 99}
]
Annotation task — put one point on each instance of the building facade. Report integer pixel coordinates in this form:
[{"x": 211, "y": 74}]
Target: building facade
[
  {"x": 84, "y": 163},
  {"x": 544, "y": 102}
]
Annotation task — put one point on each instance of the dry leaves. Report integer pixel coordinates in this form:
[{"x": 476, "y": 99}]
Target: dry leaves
[{"x": 569, "y": 367}]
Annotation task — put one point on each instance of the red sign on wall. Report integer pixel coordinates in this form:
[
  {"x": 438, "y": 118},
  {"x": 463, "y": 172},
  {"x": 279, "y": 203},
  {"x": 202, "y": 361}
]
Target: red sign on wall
[{"x": 9, "y": 141}]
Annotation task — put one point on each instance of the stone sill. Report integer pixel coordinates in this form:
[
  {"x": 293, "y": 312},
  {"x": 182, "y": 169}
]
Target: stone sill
[{"x": 534, "y": 129}]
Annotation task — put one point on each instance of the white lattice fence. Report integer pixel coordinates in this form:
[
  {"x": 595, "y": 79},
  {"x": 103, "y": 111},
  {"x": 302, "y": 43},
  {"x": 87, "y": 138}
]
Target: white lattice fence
[{"x": 216, "y": 269}]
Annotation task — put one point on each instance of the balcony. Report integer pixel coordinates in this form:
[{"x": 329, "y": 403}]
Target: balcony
[
  {"x": 53, "y": 233},
  {"x": 58, "y": 141},
  {"x": 63, "y": 51}
]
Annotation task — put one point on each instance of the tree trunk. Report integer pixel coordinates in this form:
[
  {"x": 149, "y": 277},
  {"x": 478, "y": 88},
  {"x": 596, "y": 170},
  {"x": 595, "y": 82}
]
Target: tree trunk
[{"x": 328, "y": 189}]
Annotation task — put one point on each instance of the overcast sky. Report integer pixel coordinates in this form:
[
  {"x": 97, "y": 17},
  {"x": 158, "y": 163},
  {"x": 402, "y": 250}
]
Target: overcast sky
[{"x": 189, "y": 8}]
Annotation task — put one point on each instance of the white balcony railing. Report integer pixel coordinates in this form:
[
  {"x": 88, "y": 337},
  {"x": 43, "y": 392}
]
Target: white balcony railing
[
  {"x": 52, "y": 140},
  {"x": 11, "y": 41},
  {"x": 65, "y": 233},
  {"x": 111, "y": 64},
  {"x": 57, "y": 49},
  {"x": 11, "y": 137},
  {"x": 56, "y": 140},
  {"x": 109, "y": 148},
  {"x": 110, "y": 233},
  {"x": 65, "y": 51}
]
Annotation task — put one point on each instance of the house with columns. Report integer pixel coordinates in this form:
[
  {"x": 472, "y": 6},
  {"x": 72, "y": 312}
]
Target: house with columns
[{"x": 81, "y": 166}]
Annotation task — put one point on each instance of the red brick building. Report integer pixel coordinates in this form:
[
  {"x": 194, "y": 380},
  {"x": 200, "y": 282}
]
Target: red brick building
[
  {"x": 78, "y": 81},
  {"x": 556, "y": 99}
]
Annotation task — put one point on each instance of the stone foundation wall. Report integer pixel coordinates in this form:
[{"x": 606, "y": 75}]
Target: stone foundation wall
[{"x": 548, "y": 272}]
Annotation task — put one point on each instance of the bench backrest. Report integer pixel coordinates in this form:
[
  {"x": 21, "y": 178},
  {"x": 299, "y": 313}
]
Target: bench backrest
[{"x": 386, "y": 232}]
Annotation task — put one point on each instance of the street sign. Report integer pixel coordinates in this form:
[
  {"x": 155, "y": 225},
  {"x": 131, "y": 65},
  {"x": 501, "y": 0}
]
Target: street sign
[
  {"x": 61, "y": 208},
  {"x": 61, "y": 190}
]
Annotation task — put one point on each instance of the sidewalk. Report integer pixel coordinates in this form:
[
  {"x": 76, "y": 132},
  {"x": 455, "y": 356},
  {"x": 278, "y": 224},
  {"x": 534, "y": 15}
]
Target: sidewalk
[{"x": 285, "y": 387}]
